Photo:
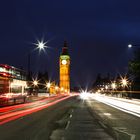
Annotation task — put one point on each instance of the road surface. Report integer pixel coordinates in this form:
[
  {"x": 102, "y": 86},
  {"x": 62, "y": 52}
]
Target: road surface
[
  {"x": 66, "y": 119},
  {"x": 70, "y": 118},
  {"x": 120, "y": 116}
]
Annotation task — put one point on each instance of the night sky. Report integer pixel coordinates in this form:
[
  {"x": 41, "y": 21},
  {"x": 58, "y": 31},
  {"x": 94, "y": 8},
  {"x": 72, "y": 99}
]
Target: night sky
[{"x": 97, "y": 32}]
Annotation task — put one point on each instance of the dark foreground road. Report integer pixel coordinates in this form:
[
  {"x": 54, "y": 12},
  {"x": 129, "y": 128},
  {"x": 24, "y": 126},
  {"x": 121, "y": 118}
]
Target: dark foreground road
[
  {"x": 122, "y": 125},
  {"x": 69, "y": 119}
]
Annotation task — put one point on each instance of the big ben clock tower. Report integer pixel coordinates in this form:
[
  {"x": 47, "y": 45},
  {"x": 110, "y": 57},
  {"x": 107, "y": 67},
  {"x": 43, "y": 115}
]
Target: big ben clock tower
[{"x": 64, "y": 72}]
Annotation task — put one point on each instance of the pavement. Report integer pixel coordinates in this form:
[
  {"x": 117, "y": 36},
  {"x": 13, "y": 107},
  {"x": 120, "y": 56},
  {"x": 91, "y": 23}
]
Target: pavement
[
  {"x": 80, "y": 125},
  {"x": 38, "y": 97},
  {"x": 29, "y": 99}
]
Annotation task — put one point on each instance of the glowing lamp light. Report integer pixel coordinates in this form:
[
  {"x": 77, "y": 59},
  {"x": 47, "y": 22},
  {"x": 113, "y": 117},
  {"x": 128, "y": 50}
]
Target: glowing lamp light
[
  {"x": 113, "y": 85},
  {"x": 62, "y": 88},
  {"x": 85, "y": 95},
  {"x": 35, "y": 83},
  {"x": 65, "y": 90},
  {"x": 99, "y": 90},
  {"x": 130, "y": 46},
  {"x": 56, "y": 87},
  {"x": 106, "y": 87},
  {"x": 102, "y": 89},
  {"x": 48, "y": 85},
  {"x": 124, "y": 82},
  {"x": 41, "y": 45}
]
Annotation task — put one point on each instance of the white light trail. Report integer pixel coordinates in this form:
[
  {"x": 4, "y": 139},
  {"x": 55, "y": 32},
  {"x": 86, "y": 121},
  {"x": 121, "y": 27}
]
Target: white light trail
[{"x": 123, "y": 105}]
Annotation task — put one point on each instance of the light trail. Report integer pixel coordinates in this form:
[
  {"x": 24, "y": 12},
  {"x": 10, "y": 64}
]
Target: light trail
[
  {"x": 18, "y": 114},
  {"x": 8, "y": 109},
  {"x": 22, "y": 110},
  {"x": 118, "y": 103}
]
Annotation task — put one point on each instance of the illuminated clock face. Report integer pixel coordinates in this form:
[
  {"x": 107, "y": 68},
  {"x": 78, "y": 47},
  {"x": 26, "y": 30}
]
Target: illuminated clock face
[{"x": 64, "y": 62}]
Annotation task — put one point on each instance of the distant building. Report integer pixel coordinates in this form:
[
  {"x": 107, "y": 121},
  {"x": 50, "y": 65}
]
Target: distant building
[{"x": 101, "y": 82}]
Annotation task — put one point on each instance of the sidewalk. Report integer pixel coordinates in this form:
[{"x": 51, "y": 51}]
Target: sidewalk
[
  {"x": 40, "y": 96},
  {"x": 81, "y": 126},
  {"x": 29, "y": 99}
]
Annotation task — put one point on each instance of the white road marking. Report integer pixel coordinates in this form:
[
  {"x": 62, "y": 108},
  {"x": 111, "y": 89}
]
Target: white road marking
[
  {"x": 123, "y": 130},
  {"x": 67, "y": 126}
]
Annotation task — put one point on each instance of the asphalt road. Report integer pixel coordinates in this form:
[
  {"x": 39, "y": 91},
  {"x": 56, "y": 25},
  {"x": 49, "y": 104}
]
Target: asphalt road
[
  {"x": 122, "y": 125},
  {"x": 38, "y": 125},
  {"x": 69, "y": 119},
  {"x": 81, "y": 125},
  {"x": 10, "y": 113}
]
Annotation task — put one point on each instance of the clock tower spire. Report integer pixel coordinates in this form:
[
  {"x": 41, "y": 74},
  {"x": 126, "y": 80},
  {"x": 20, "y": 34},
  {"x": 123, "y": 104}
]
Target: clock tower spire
[{"x": 64, "y": 70}]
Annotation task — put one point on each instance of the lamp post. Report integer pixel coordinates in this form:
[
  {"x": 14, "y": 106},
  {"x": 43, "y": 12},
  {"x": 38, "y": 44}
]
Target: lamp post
[
  {"x": 35, "y": 83},
  {"x": 48, "y": 85},
  {"x": 35, "y": 90},
  {"x": 113, "y": 85},
  {"x": 29, "y": 69},
  {"x": 134, "y": 46},
  {"x": 40, "y": 45},
  {"x": 130, "y": 46},
  {"x": 124, "y": 83},
  {"x": 135, "y": 67},
  {"x": 56, "y": 89}
]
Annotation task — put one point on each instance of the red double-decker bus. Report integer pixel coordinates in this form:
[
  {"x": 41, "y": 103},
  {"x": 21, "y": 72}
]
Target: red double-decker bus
[{"x": 12, "y": 84}]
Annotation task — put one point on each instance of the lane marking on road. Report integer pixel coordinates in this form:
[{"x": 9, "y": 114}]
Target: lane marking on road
[
  {"x": 119, "y": 130},
  {"x": 102, "y": 124},
  {"x": 107, "y": 114},
  {"x": 68, "y": 123},
  {"x": 67, "y": 126},
  {"x": 124, "y": 131}
]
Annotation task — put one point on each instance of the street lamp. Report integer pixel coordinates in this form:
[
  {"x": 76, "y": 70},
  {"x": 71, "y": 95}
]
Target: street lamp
[
  {"x": 124, "y": 82},
  {"x": 56, "y": 88},
  {"x": 35, "y": 89},
  {"x": 62, "y": 89},
  {"x": 98, "y": 90},
  {"x": 130, "y": 46},
  {"x": 48, "y": 85},
  {"x": 106, "y": 87},
  {"x": 41, "y": 45},
  {"x": 35, "y": 82},
  {"x": 113, "y": 85}
]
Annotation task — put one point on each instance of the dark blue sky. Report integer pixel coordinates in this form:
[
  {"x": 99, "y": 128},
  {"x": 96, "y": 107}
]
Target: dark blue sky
[{"x": 97, "y": 32}]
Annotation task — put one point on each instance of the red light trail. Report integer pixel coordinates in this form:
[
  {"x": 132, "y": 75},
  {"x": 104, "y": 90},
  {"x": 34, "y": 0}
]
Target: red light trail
[
  {"x": 10, "y": 116},
  {"x": 12, "y": 108}
]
